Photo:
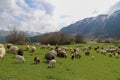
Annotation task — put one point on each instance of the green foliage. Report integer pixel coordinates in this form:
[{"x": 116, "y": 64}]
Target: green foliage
[{"x": 56, "y": 38}]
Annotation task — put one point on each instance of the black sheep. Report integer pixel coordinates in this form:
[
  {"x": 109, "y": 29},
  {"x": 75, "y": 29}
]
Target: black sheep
[
  {"x": 20, "y": 52},
  {"x": 49, "y": 56}
]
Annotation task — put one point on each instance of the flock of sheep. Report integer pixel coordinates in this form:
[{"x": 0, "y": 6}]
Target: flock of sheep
[{"x": 58, "y": 51}]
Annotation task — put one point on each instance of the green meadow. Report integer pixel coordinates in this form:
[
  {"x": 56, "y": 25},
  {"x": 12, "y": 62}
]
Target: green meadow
[{"x": 101, "y": 68}]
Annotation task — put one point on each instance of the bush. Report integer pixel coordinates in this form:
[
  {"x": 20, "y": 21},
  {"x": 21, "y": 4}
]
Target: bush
[{"x": 56, "y": 38}]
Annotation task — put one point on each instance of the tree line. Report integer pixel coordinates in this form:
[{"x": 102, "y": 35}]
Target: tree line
[{"x": 53, "y": 38}]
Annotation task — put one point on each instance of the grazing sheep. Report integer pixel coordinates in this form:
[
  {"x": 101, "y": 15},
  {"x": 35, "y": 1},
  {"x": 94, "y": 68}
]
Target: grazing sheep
[
  {"x": 43, "y": 47},
  {"x": 110, "y": 54},
  {"x": 13, "y": 49},
  {"x": 49, "y": 56},
  {"x": 116, "y": 55},
  {"x": 9, "y": 45},
  {"x": 20, "y": 52},
  {"x": 77, "y": 53},
  {"x": 96, "y": 48},
  {"x": 52, "y": 63},
  {"x": 103, "y": 52},
  {"x": 36, "y": 60},
  {"x": 92, "y": 57},
  {"x": 87, "y": 53},
  {"x": 53, "y": 52},
  {"x": 33, "y": 49},
  {"x": 19, "y": 58},
  {"x": 27, "y": 47},
  {"x": 37, "y": 44},
  {"x": 61, "y": 53},
  {"x": 2, "y": 51},
  {"x": 72, "y": 56},
  {"x": 1, "y": 45}
]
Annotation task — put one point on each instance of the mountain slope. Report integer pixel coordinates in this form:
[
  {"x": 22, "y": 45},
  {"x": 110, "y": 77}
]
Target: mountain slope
[{"x": 101, "y": 25}]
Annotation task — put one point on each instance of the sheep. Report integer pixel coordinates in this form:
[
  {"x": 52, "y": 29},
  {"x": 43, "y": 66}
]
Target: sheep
[
  {"x": 72, "y": 56},
  {"x": 61, "y": 53},
  {"x": 92, "y": 57},
  {"x": 2, "y": 51},
  {"x": 49, "y": 56},
  {"x": 9, "y": 45},
  {"x": 20, "y": 52},
  {"x": 53, "y": 52},
  {"x": 110, "y": 54},
  {"x": 19, "y": 58},
  {"x": 43, "y": 47},
  {"x": 27, "y": 47},
  {"x": 87, "y": 53},
  {"x": 116, "y": 55},
  {"x": 77, "y": 53},
  {"x": 33, "y": 49},
  {"x": 1, "y": 45},
  {"x": 103, "y": 52},
  {"x": 36, "y": 60},
  {"x": 52, "y": 63},
  {"x": 13, "y": 49},
  {"x": 37, "y": 44},
  {"x": 96, "y": 48}
]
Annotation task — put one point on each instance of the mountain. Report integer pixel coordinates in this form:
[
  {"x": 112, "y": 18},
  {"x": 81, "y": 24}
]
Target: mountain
[
  {"x": 4, "y": 33},
  {"x": 31, "y": 34},
  {"x": 114, "y": 7},
  {"x": 101, "y": 25}
]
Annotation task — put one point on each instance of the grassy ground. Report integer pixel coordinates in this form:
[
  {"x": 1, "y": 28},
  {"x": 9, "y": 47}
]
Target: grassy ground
[{"x": 102, "y": 68}]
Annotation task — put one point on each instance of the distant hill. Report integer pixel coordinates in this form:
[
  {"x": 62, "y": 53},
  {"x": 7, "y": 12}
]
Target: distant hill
[{"x": 101, "y": 25}]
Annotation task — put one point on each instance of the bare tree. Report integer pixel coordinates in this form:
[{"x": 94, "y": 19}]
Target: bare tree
[{"x": 15, "y": 36}]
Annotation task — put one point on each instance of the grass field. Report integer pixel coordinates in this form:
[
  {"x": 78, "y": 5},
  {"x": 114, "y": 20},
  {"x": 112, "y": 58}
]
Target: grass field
[{"x": 101, "y": 68}]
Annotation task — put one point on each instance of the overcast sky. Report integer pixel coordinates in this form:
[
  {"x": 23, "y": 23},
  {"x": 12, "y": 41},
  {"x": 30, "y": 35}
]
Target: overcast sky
[{"x": 49, "y": 15}]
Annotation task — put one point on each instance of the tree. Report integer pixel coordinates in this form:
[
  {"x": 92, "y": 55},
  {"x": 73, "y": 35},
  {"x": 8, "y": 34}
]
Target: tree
[
  {"x": 79, "y": 38},
  {"x": 15, "y": 36},
  {"x": 56, "y": 38}
]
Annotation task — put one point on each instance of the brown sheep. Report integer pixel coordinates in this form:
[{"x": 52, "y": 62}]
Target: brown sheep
[
  {"x": 36, "y": 60},
  {"x": 20, "y": 52}
]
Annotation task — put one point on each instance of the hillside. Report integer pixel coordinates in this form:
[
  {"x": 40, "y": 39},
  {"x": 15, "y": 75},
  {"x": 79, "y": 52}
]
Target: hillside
[{"x": 101, "y": 25}]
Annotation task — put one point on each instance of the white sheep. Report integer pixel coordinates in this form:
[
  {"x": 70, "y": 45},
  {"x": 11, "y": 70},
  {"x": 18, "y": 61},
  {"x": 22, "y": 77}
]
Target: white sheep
[
  {"x": 33, "y": 49},
  {"x": 116, "y": 55},
  {"x": 52, "y": 63},
  {"x": 92, "y": 57},
  {"x": 9, "y": 45},
  {"x": 19, "y": 58},
  {"x": 53, "y": 52},
  {"x": 1, "y": 45},
  {"x": 2, "y": 51},
  {"x": 27, "y": 47},
  {"x": 13, "y": 49}
]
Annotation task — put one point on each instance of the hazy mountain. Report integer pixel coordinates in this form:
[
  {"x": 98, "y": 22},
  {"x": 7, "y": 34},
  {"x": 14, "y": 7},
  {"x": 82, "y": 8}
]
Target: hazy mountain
[
  {"x": 101, "y": 25},
  {"x": 3, "y": 33}
]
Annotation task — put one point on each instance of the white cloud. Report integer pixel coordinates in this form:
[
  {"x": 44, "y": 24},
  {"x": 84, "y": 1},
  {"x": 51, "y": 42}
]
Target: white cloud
[
  {"x": 29, "y": 19},
  {"x": 48, "y": 15}
]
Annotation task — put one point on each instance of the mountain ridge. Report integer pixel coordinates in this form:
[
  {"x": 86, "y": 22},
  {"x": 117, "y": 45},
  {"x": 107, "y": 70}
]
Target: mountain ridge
[{"x": 101, "y": 25}]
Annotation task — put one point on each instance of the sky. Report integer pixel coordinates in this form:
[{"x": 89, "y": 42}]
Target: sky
[{"x": 49, "y": 15}]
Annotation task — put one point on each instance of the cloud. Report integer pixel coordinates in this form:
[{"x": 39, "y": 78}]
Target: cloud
[
  {"x": 48, "y": 15},
  {"x": 41, "y": 4},
  {"x": 31, "y": 15},
  {"x": 115, "y": 7}
]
